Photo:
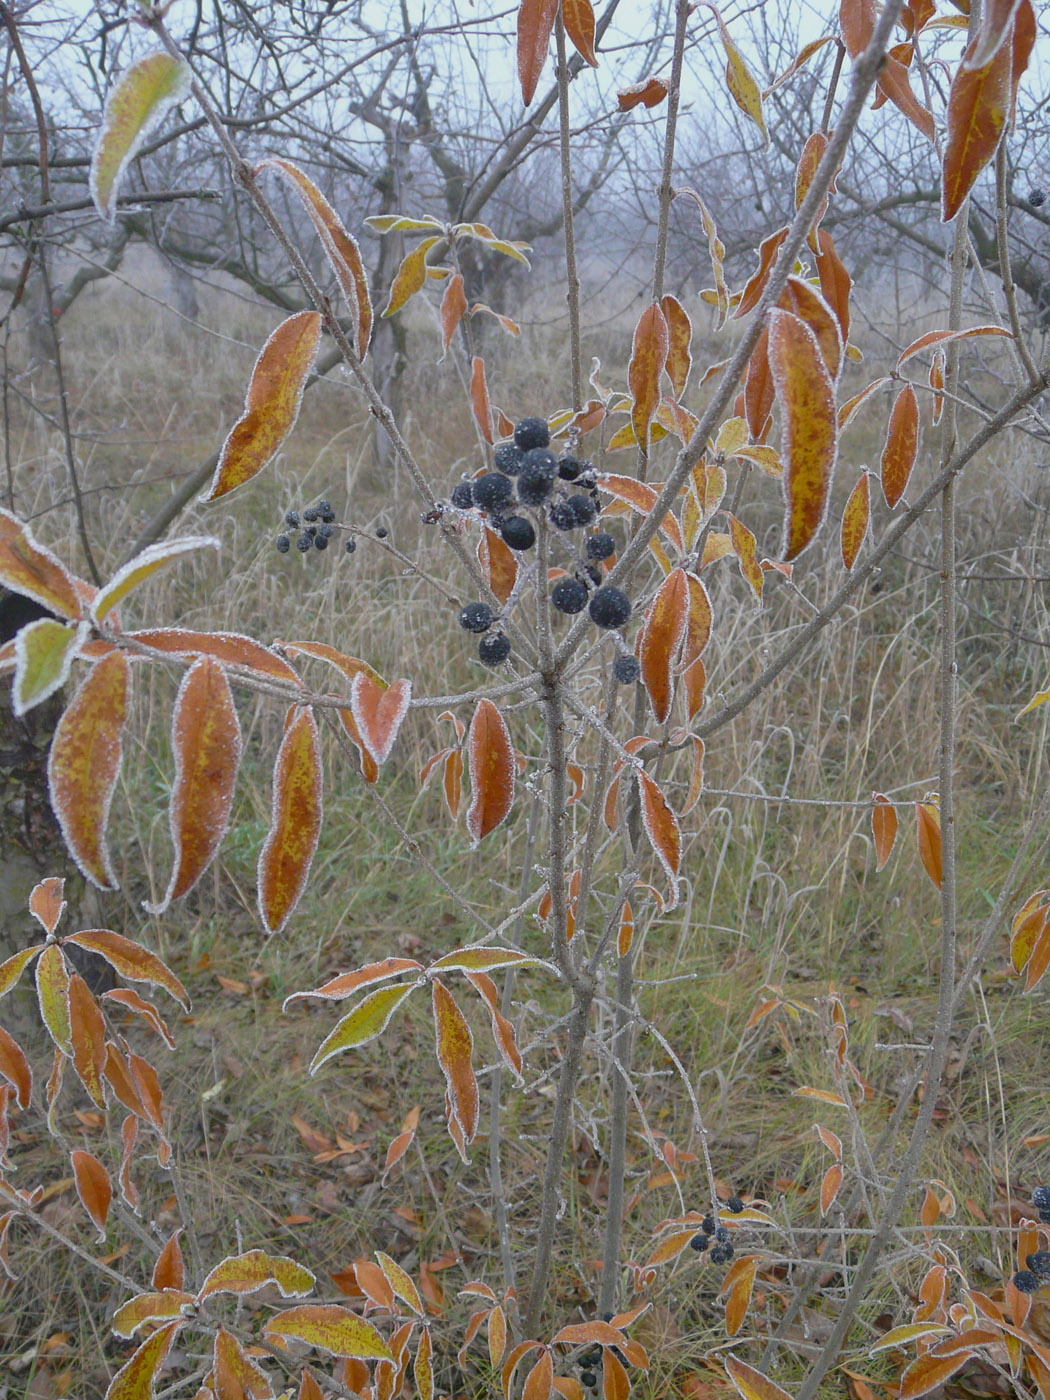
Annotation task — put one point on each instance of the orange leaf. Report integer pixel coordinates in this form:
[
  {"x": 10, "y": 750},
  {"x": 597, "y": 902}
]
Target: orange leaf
[
  {"x": 743, "y": 542},
  {"x": 423, "y": 1366},
  {"x": 206, "y": 739},
  {"x": 937, "y": 366},
  {"x": 411, "y": 276},
  {"x": 740, "y": 81},
  {"x": 855, "y": 519},
  {"x": 894, "y": 82},
  {"x": 453, "y": 309},
  {"x": 883, "y": 827},
  {"x": 997, "y": 18},
  {"x": 271, "y": 405},
  {"x": 502, "y": 1029},
  {"x": 499, "y": 564},
  {"x": 662, "y": 634},
  {"x": 835, "y": 281},
  {"x": 578, "y": 17},
  {"x": 535, "y": 22},
  {"x": 87, "y": 1030},
  {"x": 402, "y": 1142},
  {"x": 228, "y": 647},
  {"x": 805, "y": 302},
  {"x": 46, "y": 903},
  {"x": 93, "y": 1188},
  {"x": 829, "y": 1187},
  {"x": 808, "y": 161},
  {"x": 169, "y": 1271},
  {"x": 235, "y": 1374},
  {"x": 378, "y": 713},
  {"x": 649, "y": 93},
  {"x": 454, "y": 1046},
  {"x": 479, "y": 392},
  {"x": 160, "y": 1306},
  {"x": 696, "y": 782},
  {"x": 927, "y": 1372},
  {"x": 338, "y": 988},
  {"x": 767, "y": 256},
  {"x": 33, "y": 571},
  {"x": 626, "y": 935},
  {"x": 540, "y": 1381},
  {"x": 1039, "y": 960},
  {"x": 616, "y": 1384},
  {"x": 944, "y": 337},
  {"x": 14, "y": 1067},
  {"x": 739, "y": 1299},
  {"x": 131, "y": 960},
  {"x": 295, "y": 821},
  {"x": 759, "y": 391},
  {"x": 809, "y": 433},
  {"x": 83, "y": 765},
  {"x": 491, "y": 758},
  {"x": 648, "y": 356},
  {"x": 902, "y": 445},
  {"x": 978, "y": 106},
  {"x": 679, "y": 338},
  {"x": 340, "y": 247},
  {"x": 752, "y": 1384},
  {"x": 929, "y": 834},
  {"x": 661, "y": 827}
]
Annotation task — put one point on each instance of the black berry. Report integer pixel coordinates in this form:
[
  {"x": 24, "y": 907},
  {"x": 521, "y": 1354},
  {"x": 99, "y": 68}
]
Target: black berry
[
  {"x": 569, "y": 469},
  {"x": 518, "y": 532},
  {"x": 600, "y": 546},
  {"x": 583, "y": 509},
  {"x": 589, "y": 1379},
  {"x": 1039, "y": 1263},
  {"x": 735, "y": 1204},
  {"x": 722, "y": 1253},
  {"x": 320, "y": 541},
  {"x": 381, "y": 532},
  {"x": 608, "y": 1316},
  {"x": 532, "y": 432},
  {"x": 721, "y": 1234},
  {"x": 476, "y": 617},
  {"x": 708, "y": 1225},
  {"x": 493, "y": 491},
  {"x": 563, "y": 517},
  {"x": 1044, "y": 1216},
  {"x": 1041, "y": 1197},
  {"x": 627, "y": 669},
  {"x": 462, "y": 495},
  {"x": 1025, "y": 1281},
  {"x": 591, "y": 572},
  {"x": 508, "y": 458},
  {"x": 536, "y": 479},
  {"x": 311, "y": 530},
  {"x": 699, "y": 1242},
  {"x": 1036, "y": 198},
  {"x": 283, "y": 544},
  {"x": 350, "y": 545},
  {"x": 610, "y": 607},
  {"x": 325, "y": 511},
  {"x": 493, "y": 649},
  {"x": 292, "y": 520},
  {"x": 311, "y": 514},
  {"x": 569, "y": 595},
  {"x": 304, "y": 544},
  {"x": 325, "y": 532}
]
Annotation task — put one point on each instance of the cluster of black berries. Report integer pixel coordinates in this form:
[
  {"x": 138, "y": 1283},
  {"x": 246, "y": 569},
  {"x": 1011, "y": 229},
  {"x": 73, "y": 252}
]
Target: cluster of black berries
[
  {"x": 1036, "y": 198},
  {"x": 589, "y": 1363},
  {"x": 528, "y": 474},
  {"x": 494, "y": 647},
  {"x": 716, "y": 1236},
  {"x": 315, "y": 529},
  {"x": 1035, "y": 1274}
]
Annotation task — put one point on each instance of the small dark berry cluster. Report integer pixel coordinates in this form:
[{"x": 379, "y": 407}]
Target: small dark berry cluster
[
  {"x": 590, "y": 1360},
  {"x": 529, "y": 476},
  {"x": 715, "y": 1236},
  {"x": 315, "y": 529},
  {"x": 494, "y": 648},
  {"x": 1036, "y": 198}
]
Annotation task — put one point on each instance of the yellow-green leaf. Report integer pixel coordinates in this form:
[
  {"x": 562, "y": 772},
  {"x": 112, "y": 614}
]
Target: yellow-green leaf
[
  {"x": 44, "y": 652},
  {"x": 332, "y": 1329},
  {"x": 141, "y": 98},
  {"x": 410, "y": 277},
  {"x": 135, "y": 1379},
  {"x": 154, "y": 557},
  {"x": 752, "y": 1384},
  {"x": 246, "y": 1273},
  {"x": 740, "y": 81},
  {"x": 369, "y": 1018}
]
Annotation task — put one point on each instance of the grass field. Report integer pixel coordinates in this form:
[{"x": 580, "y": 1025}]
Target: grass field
[{"x": 780, "y": 885}]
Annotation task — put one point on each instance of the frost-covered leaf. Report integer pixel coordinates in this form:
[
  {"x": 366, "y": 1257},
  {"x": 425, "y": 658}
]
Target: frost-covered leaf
[
  {"x": 491, "y": 759},
  {"x": 144, "y": 566},
  {"x": 137, "y": 103},
  {"x": 131, "y": 960},
  {"x": 454, "y": 1047},
  {"x": 93, "y": 1188},
  {"x": 369, "y": 1019},
  {"x": 33, "y": 571},
  {"x": 379, "y": 713},
  {"x": 809, "y": 435},
  {"x": 271, "y": 405},
  {"x": 330, "y": 1328},
  {"x": 44, "y": 652},
  {"x": 295, "y": 821},
  {"x": 247, "y": 1273},
  {"x": 136, "y": 1378}
]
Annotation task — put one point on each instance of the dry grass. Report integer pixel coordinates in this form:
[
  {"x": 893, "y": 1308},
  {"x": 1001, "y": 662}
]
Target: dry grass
[{"x": 777, "y": 893}]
